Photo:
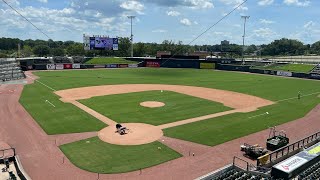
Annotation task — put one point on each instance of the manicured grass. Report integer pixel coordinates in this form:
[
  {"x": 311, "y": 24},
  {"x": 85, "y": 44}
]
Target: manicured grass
[
  {"x": 219, "y": 130},
  {"x": 302, "y": 68},
  {"x": 125, "y": 108},
  {"x": 61, "y": 119},
  {"x": 110, "y": 60},
  {"x": 100, "y": 157}
]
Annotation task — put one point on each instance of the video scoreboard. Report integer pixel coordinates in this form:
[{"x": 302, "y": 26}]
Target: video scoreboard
[{"x": 100, "y": 43}]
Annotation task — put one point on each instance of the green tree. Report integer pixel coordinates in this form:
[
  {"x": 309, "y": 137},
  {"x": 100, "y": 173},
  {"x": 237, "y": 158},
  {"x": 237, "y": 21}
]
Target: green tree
[
  {"x": 75, "y": 50},
  {"x": 26, "y": 51},
  {"x": 57, "y": 52},
  {"x": 41, "y": 50}
]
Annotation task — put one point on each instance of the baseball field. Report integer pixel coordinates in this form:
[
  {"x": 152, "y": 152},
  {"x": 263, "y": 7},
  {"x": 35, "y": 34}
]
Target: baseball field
[{"x": 201, "y": 106}]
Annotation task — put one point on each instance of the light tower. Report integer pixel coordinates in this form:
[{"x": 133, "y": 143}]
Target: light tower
[
  {"x": 244, "y": 35},
  {"x": 131, "y": 37}
]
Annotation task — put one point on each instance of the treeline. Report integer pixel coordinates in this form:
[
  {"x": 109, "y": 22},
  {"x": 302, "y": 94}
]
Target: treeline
[{"x": 282, "y": 47}]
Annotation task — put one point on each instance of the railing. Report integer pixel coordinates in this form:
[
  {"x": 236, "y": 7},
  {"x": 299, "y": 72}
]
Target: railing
[
  {"x": 236, "y": 162},
  {"x": 278, "y": 155}
]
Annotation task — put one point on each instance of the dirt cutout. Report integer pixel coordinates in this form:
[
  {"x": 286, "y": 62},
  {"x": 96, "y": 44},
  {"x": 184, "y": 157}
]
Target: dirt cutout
[
  {"x": 152, "y": 104},
  {"x": 144, "y": 133}
]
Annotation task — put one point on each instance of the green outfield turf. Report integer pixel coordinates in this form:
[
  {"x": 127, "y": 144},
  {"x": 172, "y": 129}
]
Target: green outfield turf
[
  {"x": 211, "y": 132},
  {"x": 97, "y": 156},
  {"x": 61, "y": 119},
  {"x": 303, "y": 68},
  {"x": 110, "y": 60},
  {"x": 125, "y": 108}
]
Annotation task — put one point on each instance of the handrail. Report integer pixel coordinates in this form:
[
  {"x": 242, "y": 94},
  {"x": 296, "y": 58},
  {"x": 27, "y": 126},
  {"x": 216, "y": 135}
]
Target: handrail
[{"x": 277, "y": 154}]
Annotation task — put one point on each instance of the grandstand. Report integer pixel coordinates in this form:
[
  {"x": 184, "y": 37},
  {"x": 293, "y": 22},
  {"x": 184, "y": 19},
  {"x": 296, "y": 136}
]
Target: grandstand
[
  {"x": 10, "y": 70},
  {"x": 60, "y": 59}
]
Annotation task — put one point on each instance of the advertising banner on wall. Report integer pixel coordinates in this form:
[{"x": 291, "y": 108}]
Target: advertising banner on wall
[
  {"x": 207, "y": 65},
  {"x": 99, "y": 66},
  {"x": 67, "y": 66},
  {"x": 51, "y": 66},
  {"x": 315, "y": 76},
  {"x": 75, "y": 66},
  {"x": 133, "y": 65},
  {"x": 59, "y": 66},
  {"x": 112, "y": 66},
  {"x": 152, "y": 64},
  {"x": 284, "y": 73},
  {"x": 123, "y": 65}
]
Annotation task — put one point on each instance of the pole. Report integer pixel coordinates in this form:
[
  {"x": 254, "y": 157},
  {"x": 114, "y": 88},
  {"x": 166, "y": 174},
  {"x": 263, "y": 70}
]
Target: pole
[
  {"x": 244, "y": 35},
  {"x": 131, "y": 37}
]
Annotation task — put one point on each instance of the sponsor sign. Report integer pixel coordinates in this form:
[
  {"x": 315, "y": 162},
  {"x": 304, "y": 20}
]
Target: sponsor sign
[
  {"x": 123, "y": 65},
  {"x": 133, "y": 65},
  {"x": 315, "y": 76},
  {"x": 51, "y": 66},
  {"x": 152, "y": 64},
  {"x": 112, "y": 66},
  {"x": 207, "y": 65},
  {"x": 284, "y": 73},
  {"x": 291, "y": 164},
  {"x": 75, "y": 66},
  {"x": 67, "y": 66},
  {"x": 59, "y": 66},
  {"x": 99, "y": 66}
]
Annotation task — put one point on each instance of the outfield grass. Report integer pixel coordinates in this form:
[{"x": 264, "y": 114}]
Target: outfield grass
[
  {"x": 125, "y": 108},
  {"x": 302, "y": 68},
  {"x": 61, "y": 119},
  {"x": 97, "y": 156},
  {"x": 269, "y": 87},
  {"x": 109, "y": 60},
  {"x": 219, "y": 130}
]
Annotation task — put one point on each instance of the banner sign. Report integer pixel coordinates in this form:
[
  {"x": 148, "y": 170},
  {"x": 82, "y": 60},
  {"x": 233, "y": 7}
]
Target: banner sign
[
  {"x": 284, "y": 73},
  {"x": 291, "y": 164},
  {"x": 75, "y": 66},
  {"x": 206, "y": 65},
  {"x": 59, "y": 66},
  {"x": 51, "y": 66},
  {"x": 152, "y": 64},
  {"x": 99, "y": 66},
  {"x": 112, "y": 66},
  {"x": 315, "y": 76},
  {"x": 67, "y": 66},
  {"x": 133, "y": 65},
  {"x": 123, "y": 65}
]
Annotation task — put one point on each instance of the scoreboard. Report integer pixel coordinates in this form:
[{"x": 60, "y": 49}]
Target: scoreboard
[{"x": 100, "y": 43}]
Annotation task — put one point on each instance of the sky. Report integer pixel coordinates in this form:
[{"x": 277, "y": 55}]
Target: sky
[{"x": 159, "y": 20}]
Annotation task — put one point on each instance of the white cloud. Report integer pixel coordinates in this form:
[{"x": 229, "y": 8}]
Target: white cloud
[
  {"x": 264, "y": 32},
  {"x": 159, "y": 31},
  {"x": 202, "y": 4},
  {"x": 186, "y": 22},
  {"x": 303, "y": 3},
  {"x": 235, "y": 3},
  {"x": 195, "y": 22},
  {"x": 309, "y": 25},
  {"x": 265, "y": 21},
  {"x": 265, "y": 2},
  {"x": 173, "y": 13},
  {"x": 43, "y": 1},
  {"x": 133, "y": 6}
]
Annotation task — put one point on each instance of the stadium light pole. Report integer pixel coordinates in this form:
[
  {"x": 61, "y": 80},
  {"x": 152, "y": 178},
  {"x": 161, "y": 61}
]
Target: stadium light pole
[
  {"x": 244, "y": 35},
  {"x": 131, "y": 37}
]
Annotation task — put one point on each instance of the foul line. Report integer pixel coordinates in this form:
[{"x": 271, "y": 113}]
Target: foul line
[
  {"x": 42, "y": 83},
  {"x": 297, "y": 97}
]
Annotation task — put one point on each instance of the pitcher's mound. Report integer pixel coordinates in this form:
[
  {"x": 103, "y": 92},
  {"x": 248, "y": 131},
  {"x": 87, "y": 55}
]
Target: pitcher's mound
[
  {"x": 138, "y": 134},
  {"x": 152, "y": 104}
]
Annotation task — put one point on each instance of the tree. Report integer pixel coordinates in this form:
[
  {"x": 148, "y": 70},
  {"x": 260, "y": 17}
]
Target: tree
[
  {"x": 26, "y": 51},
  {"x": 57, "y": 52},
  {"x": 41, "y": 50},
  {"x": 75, "y": 50}
]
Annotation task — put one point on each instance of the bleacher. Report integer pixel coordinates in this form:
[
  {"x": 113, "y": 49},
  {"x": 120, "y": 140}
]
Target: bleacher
[
  {"x": 238, "y": 174},
  {"x": 78, "y": 59},
  {"x": 316, "y": 69},
  {"x": 10, "y": 70},
  {"x": 313, "y": 172}
]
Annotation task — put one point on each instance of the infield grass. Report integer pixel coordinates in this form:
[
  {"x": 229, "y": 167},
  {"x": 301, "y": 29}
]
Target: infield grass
[
  {"x": 97, "y": 156},
  {"x": 125, "y": 108},
  {"x": 110, "y": 60}
]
